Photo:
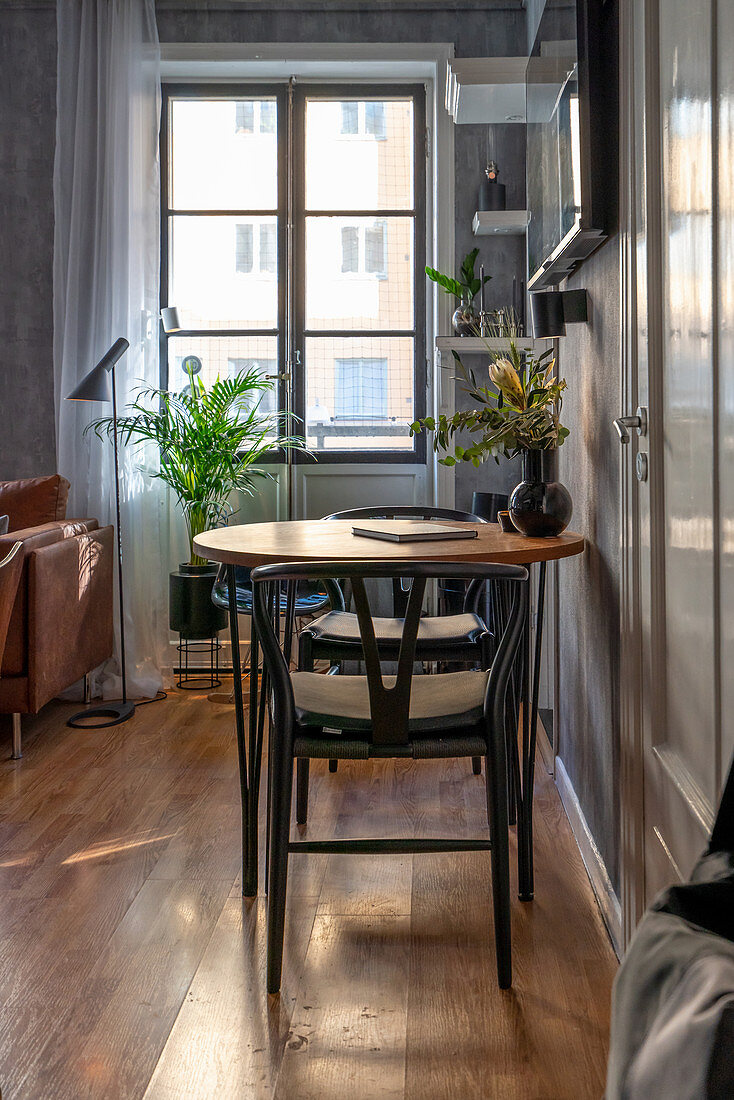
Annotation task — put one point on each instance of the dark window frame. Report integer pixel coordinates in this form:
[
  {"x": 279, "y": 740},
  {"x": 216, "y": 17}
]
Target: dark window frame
[{"x": 279, "y": 92}]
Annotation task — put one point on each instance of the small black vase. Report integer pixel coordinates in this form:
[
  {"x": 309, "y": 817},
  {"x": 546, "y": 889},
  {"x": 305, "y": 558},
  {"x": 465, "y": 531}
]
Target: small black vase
[{"x": 540, "y": 506}]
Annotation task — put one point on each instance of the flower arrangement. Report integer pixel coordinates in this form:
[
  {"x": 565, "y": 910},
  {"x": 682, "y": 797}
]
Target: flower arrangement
[{"x": 518, "y": 409}]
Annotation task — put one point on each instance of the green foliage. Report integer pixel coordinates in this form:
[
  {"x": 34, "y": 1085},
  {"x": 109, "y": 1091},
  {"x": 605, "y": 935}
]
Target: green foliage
[
  {"x": 467, "y": 285},
  {"x": 518, "y": 410},
  {"x": 209, "y": 442}
]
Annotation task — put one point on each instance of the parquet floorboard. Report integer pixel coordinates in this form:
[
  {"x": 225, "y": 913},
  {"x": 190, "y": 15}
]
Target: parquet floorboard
[{"x": 131, "y": 967}]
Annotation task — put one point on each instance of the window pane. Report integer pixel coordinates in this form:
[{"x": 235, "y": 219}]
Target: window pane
[
  {"x": 224, "y": 356},
  {"x": 216, "y": 277},
  {"x": 268, "y": 248},
  {"x": 243, "y": 249},
  {"x": 214, "y": 144},
  {"x": 350, "y": 118},
  {"x": 360, "y": 389},
  {"x": 245, "y": 116},
  {"x": 267, "y": 116},
  {"x": 350, "y": 249},
  {"x": 375, "y": 260},
  {"x": 359, "y": 393},
  {"x": 374, "y": 119},
  {"x": 352, "y": 170},
  {"x": 376, "y": 290}
]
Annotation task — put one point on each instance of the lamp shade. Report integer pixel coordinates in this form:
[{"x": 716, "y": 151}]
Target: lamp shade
[
  {"x": 169, "y": 317},
  {"x": 95, "y": 386},
  {"x": 546, "y": 310}
]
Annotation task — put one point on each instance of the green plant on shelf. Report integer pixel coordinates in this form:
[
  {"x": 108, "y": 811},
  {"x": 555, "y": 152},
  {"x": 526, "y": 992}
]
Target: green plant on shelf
[{"x": 517, "y": 409}]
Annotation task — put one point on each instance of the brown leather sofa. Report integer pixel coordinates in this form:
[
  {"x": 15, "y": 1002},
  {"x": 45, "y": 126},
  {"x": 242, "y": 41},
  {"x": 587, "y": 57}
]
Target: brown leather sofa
[{"x": 61, "y": 623}]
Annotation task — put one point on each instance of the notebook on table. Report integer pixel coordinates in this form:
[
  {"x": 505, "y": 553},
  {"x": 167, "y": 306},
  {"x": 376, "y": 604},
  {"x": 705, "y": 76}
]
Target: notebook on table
[{"x": 405, "y": 530}]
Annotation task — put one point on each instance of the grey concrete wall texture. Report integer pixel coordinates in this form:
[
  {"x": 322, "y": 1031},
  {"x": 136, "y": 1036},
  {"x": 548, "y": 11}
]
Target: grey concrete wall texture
[
  {"x": 589, "y": 586},
  {"x": 27, "y": 126}
]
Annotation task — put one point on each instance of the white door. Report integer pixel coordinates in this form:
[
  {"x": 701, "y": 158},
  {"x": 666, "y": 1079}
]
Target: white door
[{"x": 678, "y": 509}]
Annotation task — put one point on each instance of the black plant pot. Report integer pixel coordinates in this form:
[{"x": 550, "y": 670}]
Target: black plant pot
[
  {"x": 191, "y": 612},
  {"x": 540, "y": 506}
]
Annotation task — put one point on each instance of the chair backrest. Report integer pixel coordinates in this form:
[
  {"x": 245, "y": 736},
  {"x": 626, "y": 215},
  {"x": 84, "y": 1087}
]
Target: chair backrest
[
  {"x": 389, "y": 705},
  {"x": 10, "y": 569},
  {"x": 407, "y": 511}
]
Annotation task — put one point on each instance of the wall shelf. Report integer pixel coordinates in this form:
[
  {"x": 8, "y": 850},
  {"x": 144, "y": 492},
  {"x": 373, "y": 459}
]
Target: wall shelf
[
  {"x": 475, "y": 345},
  {"x": 487, "y": 223},
  {"x": 493, "y": 89}
]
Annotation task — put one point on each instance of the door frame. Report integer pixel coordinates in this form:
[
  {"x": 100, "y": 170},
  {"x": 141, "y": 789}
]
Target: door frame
[{"x": 636, "y": 58}]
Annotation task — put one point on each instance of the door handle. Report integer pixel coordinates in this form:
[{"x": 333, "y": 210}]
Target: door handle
[{"x": 639, "y": 421}]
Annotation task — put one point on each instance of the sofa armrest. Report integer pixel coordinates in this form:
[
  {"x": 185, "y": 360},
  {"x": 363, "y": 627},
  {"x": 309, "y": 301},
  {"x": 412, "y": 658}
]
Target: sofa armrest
[
  {"x": 46, "y": 533},
  {"x": 15, "y": 658},
  {"x": 69, "y": 611}
]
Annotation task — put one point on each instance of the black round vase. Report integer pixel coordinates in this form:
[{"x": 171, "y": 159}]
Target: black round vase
[
  {"x": 191, "y": 612},
  {"x": 540, "y": 506}
]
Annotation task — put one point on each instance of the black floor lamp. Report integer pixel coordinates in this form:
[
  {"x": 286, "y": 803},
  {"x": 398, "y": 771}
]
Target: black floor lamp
[{"x": 99, "y": 385}]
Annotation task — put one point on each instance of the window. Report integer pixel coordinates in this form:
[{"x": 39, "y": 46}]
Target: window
[
  {"x": 366, "y": 118},
  {"x": 245, "y": 249},
  {"x": 364, "y": 249},
  {"x": 360, "y": 391},
  {"x": 255, "y": 117},
  {"x": 339, "y": 292}
]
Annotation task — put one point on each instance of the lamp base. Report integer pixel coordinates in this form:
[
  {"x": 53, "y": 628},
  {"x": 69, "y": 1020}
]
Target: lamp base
[{"x": 115, "y": 713}]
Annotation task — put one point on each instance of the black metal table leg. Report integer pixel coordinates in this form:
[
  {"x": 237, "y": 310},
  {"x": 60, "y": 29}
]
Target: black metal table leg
[
  {"x": 530, "y": 700},
  {"x": 247, "y": 791}
]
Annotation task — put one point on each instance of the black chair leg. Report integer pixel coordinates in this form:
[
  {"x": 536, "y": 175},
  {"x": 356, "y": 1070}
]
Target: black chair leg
[
  {"x": 476, "y": 765},
  {"x": 496, "y": 781},
  {"x": 302, "y": 770},
  {"x": 333, "y": 765},
  {"x": 281, "y": 787}
]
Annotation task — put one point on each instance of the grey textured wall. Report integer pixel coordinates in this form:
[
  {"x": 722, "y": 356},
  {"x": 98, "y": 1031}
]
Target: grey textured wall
[
  {"x": 589, "y": 586},
  {"x": 27, "y": 125}
]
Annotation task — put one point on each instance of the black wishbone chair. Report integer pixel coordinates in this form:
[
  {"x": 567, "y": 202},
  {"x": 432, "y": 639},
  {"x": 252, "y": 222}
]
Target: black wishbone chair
[
  {"x": 366, "y": 717},
  {"x": 456, "y": 638}
]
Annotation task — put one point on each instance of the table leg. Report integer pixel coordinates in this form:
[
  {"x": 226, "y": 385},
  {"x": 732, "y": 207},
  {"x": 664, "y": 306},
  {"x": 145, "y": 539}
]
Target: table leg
[
  {"x": 530, "y": 700},
  {"x": 249, "y": 874}
]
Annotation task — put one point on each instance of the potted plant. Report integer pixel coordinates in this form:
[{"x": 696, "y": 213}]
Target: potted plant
[
  {"x": 465, "y": 288},
  {"x": 518, "y": 413},
  {"x": 210, "y": 442}
]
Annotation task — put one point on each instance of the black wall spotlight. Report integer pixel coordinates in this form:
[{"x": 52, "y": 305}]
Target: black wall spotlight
[{"x": 552, "y": 310}]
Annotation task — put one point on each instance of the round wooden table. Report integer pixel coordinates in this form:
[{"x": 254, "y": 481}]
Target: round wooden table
[{"x": 332, "y": 540}]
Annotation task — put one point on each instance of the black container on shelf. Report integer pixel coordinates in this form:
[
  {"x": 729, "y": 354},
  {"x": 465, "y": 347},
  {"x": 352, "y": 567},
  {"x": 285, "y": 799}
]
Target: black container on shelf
[
  {"x": 191, "y": 612},
  {"x": 492, "y": 193}
]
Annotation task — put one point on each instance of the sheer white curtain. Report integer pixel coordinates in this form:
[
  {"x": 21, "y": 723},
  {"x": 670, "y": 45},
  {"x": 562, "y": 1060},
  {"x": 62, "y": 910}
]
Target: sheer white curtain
[{"x": 106, "y": 271}]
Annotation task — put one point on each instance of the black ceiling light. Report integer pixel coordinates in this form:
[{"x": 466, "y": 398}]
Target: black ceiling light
[{"x": 552, "y": 310}]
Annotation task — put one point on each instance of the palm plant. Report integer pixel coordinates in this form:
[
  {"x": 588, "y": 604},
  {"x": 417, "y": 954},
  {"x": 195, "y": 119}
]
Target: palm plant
[{"x": 209, "y": 441}]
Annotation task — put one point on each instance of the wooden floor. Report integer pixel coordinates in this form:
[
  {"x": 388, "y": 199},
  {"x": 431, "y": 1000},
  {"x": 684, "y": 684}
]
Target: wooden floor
[{"x": 131, "y": 967}]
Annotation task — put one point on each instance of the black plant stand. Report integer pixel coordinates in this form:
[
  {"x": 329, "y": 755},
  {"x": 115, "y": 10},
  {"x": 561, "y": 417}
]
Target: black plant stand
[{"x": 190, "y": 652}]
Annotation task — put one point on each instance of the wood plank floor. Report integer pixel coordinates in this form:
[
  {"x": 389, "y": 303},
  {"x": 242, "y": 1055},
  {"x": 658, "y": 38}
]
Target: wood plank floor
[{"x": 131, "y": 967}]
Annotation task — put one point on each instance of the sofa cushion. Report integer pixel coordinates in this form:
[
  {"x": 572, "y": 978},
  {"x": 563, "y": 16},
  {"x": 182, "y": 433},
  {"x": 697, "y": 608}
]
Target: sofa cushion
[{"x": 34, "y": 500}]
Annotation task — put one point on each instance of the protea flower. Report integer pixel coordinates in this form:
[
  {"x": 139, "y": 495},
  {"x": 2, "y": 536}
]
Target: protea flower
[{"x": 507, "y": 381}]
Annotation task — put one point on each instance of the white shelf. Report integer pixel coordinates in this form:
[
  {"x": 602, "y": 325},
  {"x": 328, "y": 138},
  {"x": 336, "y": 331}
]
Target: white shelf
[
  {"x": 473, "y": 345},
  {"x": 494, "y": 89},
  {"x": 487, "y": 223}
]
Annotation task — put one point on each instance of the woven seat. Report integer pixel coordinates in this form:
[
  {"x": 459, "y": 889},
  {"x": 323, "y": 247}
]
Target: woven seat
[{"x": 339, "y": 631}]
